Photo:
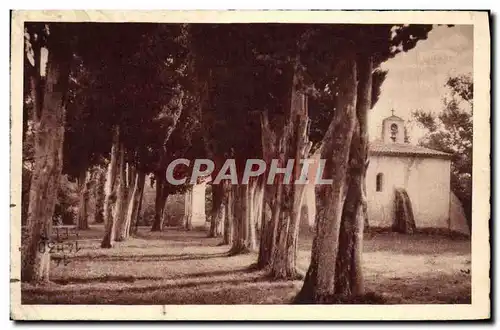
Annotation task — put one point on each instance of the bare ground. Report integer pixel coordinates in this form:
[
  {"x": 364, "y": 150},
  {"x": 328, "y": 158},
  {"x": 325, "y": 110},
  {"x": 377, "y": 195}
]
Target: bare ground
[{"x": 179, "y": 267}]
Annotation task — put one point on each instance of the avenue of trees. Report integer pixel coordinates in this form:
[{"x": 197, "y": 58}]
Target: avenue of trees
[{"x": 108, "y": 105}]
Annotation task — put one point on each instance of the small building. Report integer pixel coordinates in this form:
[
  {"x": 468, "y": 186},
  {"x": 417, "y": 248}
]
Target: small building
[{"x": 423, "y": 174}]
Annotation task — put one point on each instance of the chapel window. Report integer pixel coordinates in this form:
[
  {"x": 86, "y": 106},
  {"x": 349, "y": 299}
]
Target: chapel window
[{"x": 379, "y": 182}]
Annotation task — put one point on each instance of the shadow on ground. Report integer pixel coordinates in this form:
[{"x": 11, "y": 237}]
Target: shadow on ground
[{"x": 179, "y": 267}]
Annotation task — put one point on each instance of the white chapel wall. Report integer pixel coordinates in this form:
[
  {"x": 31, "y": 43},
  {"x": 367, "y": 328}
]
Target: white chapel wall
[{"x": 427, "y": 181}]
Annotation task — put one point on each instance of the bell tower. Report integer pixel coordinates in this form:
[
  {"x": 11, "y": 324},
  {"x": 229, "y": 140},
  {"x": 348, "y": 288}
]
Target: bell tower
[{"x": 393, "y": 129}]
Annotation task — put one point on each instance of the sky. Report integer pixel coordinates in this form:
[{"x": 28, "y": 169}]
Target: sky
[{"x": 416, "y": 78}]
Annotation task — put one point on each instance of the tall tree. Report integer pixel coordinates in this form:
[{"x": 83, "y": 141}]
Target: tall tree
[
  {"x": 80, "y": 154},
  {"x": 335, "y": 270},
  {"x": 217, "y": 211},
  {"x": 183, "y": 143},
  {"x": 225, "y": 75},
  {"x": 49, "y": 135},
  {"x": 99, "y": 194},
  {"x": 137, "y": 88}
]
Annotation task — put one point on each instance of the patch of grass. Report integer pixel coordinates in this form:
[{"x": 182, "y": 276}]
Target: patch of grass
[{"x": 187, "y": 267}]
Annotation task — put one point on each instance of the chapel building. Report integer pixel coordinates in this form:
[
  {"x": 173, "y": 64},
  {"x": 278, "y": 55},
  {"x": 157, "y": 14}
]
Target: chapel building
[{"x": 421, "y": 174}]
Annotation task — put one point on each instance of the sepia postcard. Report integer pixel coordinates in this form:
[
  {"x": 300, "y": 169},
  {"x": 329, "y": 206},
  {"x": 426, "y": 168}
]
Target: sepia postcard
[{"x": 250, "y": 165}]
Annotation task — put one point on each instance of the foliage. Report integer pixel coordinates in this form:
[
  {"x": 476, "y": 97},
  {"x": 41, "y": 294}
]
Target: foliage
[
  {"x": 380, "y": 42},
  {"x": 250, "y": 66},
  {"x": 67, "y": 203},
  {"x": 208, "y": 202},
  {"x": 139, "y": 70}
]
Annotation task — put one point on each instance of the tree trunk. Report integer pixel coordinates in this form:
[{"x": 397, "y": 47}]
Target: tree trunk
[
  {"x": 188, "y": 209},
  {"x": 160, "y": 200},
  {"x": 319, "y": 284},
  {"x": 244, "y": 237},
  {"x": 127, "y": 208},
  {"x": 48, "y": 165},
  {"x": 270, "y": 209},
  {"x": 83, "y": 212},
  {"x": 229, "y": 218},
  {"x": 293, "y": 232},
  {"x": 100, "y": 196},
  {"x": 111, "y": 190},
  {"x": 137, "y": 199},
  {"x": 251, "y": 214},
  {"x": 216, "y": 213},
  {"x": 122, "y": 198},
  {"x": 259, "y": 205},
  {"x": 291, "y": 142},
  {"x": 284, "y": 260},
  {"x": 139, "y": 211},
  {"x": 241, "y": 235},
  {"x": 271, "y": 197},
  {"x": 92, "y": 193},
  {"x": 133, "y": 204},
  {"x": 221, "y": 220},
  {"x": 239, "y": 227},
  {"x": 36, "y": 90},
  {"x": 269, "y": 227},
  {"x": 266, "y": 237},
  {"x": 349, "y": 276}
]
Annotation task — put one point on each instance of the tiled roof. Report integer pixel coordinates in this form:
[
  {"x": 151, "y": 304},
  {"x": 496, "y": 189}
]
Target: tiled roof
[
  {"x": 404, "y": 149},
  {"x": 394, "y": 118}
]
